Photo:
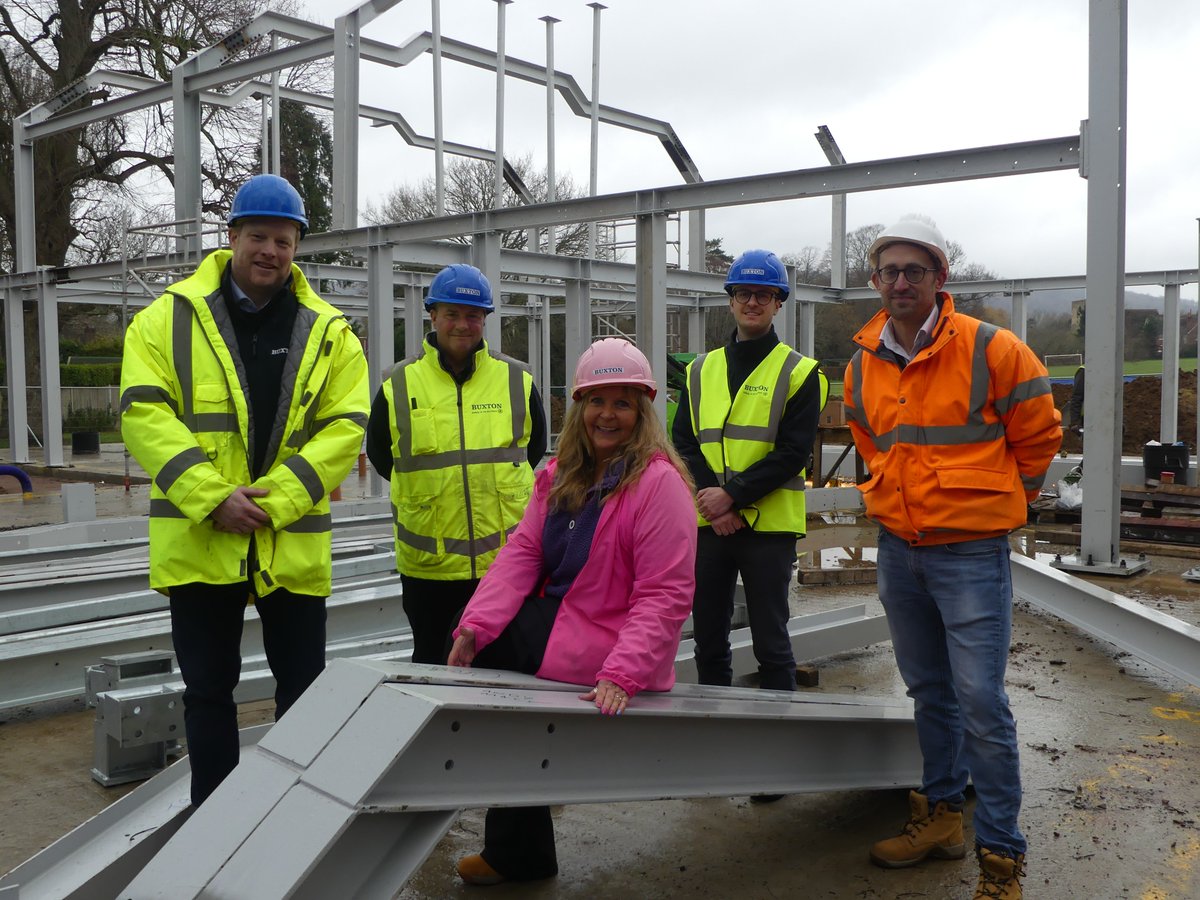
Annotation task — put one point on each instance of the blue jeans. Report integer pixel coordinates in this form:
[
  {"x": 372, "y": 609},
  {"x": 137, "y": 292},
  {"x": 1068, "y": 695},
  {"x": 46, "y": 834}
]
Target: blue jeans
[{"x": 949, "y": 610}]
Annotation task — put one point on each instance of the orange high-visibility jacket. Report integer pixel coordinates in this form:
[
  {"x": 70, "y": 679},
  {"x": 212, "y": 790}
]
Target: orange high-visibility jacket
[{"x": 959, "y": 440}]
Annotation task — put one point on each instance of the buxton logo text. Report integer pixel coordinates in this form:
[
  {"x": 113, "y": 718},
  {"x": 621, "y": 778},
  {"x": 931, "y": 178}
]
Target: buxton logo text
[
  {"x": 486, "y": 407},
  {"x": 749, "y": 271},
  {"x": 610, "y": 370},
  {"x": 755, "y": 388},
  {"x": 474, "y": 292}
]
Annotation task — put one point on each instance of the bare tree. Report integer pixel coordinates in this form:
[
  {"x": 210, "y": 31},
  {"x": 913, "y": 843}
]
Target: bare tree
[
  {"x": 471, "y": 187},
  {"x": 46, "y": 45}
]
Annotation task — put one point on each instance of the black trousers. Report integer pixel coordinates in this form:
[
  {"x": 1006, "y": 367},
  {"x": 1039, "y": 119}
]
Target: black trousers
[
  {"x": 432, "y": 608},
  {"x": 518, "y": 841},
  {"x": 206, "y": 629},
  {"x": 765, "y": 564}
]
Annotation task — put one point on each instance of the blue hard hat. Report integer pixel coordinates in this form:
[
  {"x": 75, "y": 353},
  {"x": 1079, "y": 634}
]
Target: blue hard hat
[
  {"x": 268, "y": 197},
  {"x": 758, "y": 267},
  {"x": 463, "y": 284}
]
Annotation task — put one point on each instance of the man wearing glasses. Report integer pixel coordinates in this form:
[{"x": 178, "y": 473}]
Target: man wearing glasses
[
  {"x": 955, "y": 420},
  {"x": 745, "y": 427}
]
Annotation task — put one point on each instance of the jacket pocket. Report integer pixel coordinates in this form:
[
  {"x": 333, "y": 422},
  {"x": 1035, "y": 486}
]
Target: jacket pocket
[
  {"x": 974, "y": 479},
  {"x": 424, "y": 431}
]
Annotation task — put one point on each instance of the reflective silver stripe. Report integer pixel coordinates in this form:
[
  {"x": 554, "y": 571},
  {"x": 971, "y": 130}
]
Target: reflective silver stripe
[
  {"x": 795, "y": 483},
  {"x": 1026, "y": 390},
  {"x": 516, "y": 396},
  {"x": 763, "y": 433},
  {"x": 940, "y": 435},
  {"x": 454, "y": 458},
  {"x": 302, "y": 436},
  {"x": 416, "y": 541},
  {"x": 400, "y": 402},
  {"x": 854, "y": 408},
  {"x": 779, "y": 396},
  {"x": 302, "y": 469},
  {"x": 314, "y": 524},
  {"x": 181, "y": 353},
  {"x": 694, "y": 399},
  {"x": 147, "y": 393},
  {"x": 224, "y": 422},
  {"x": 709, "y": 436},
  {"x": 980, "y": 376},
  {"x": 177, "y": 465},
  {"x": 165, "y": 509},
  {"x": 482, "y": 545}
]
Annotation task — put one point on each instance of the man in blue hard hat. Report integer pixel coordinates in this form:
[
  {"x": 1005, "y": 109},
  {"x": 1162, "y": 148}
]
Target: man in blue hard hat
[
  {"x": 745, "y": 426},
  {"x": 244, "y": 396},
  {"x": 457, "y": 430}
]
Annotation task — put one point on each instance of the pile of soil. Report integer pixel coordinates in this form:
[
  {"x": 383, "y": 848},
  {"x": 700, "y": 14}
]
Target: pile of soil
[{"x": 1142, "y": 405}]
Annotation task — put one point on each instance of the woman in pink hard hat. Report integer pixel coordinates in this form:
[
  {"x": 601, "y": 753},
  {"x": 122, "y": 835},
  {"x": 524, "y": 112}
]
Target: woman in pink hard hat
[{"x": 596, "y": 582}]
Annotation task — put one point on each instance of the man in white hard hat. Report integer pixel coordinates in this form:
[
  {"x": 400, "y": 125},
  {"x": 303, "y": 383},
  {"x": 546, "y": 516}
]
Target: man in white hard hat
[{"x": 955, "y": 420}]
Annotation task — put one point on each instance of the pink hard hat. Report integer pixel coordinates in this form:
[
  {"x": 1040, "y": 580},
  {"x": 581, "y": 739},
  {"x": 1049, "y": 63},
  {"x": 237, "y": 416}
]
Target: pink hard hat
[{"x": 613, "y": 361}]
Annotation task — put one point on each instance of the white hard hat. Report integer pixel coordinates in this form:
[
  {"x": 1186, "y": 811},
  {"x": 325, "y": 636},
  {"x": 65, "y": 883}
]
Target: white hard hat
[{"x": 911, "y": 229}]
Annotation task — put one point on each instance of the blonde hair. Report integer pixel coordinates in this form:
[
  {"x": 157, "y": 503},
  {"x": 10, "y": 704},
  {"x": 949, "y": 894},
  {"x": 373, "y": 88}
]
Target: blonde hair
[{"x": 577, "y": 463}]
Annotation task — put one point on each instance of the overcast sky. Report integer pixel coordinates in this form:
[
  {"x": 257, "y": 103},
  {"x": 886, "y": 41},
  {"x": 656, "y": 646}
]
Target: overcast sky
[{"x": 746, "y": 85}]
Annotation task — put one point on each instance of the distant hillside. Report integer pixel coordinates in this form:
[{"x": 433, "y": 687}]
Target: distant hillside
[{"x": 1060, "y": 302}]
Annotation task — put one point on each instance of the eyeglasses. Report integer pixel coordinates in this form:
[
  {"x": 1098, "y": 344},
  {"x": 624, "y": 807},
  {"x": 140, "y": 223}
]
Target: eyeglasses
[
  {"x": 762, "y": 298},
  {"x": 913, "y": 274}
]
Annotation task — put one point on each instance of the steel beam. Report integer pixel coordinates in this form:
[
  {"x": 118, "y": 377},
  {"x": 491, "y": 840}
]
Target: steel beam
[
  {"x": 1153, "y": 636},
  {"x": 356, "y": 786},
  {"x": 651, "y": 312}
]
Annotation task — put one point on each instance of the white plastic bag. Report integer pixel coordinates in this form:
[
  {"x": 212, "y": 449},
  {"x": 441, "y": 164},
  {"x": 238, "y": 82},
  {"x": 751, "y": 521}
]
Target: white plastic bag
[{"x": 1070, "y": 496}]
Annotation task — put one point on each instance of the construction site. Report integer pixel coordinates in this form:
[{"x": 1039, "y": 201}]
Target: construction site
[{"x": 377, "y": 780}]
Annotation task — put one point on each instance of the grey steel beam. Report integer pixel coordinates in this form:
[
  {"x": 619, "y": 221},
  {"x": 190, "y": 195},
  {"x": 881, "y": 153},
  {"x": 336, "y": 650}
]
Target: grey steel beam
[
  {"x": 485, "y": 256},
  {"x": 1049, "y": 155},
  {"x": 1153, "y": 636},
  {"x": 103, "y": 854},
  {"x": 357, "y": 786},
  {"x": 381, "y": 304},
  {"x": 813, "y": 636},
  {"x": 47, "y": 665},
  {"x": 185, "y": 123},
  {"x": 32, "y": 602}
]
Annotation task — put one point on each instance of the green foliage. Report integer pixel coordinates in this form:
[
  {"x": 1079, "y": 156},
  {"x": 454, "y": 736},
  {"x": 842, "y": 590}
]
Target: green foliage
[
  {"x": 90, "y": 375},
  {"x": 87, "y": 419}
]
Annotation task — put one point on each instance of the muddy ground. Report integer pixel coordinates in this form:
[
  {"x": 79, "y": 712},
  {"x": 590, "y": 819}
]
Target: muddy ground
[
  {"x": 1141, "y": 409},
  {"x": 1110, "y": 761}
]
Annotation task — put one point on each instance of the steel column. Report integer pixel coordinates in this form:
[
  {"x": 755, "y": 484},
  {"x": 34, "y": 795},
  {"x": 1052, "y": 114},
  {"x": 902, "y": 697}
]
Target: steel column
[
  {"x": 551, "y": 187},
  {"x": 1104, "y": 168},
  {"x": 439, "y": 155},
  {"x": 14, "y": 353},
  {"x": 1019, "y": 320},
  {"x": 52, "y": 418},
  {"x": 345, "y": 119},
  {"x": 579, "y": 320},
  {"x": 185, "y": 124},
  {"x": 498, "y": 181},
  {"x": 594, "y": 152},
  {"x": 651, "y": 292},
  {"x": 1168, "y": 427},
  {"x": 485, "y": 256}
]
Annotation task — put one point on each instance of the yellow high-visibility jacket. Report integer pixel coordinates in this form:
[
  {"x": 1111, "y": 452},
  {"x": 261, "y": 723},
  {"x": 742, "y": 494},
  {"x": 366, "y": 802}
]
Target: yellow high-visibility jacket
[
  {"x": 461, "y": 477},
  {"x": 734, "y": 433},
  {"x": 185, "y": 419}
]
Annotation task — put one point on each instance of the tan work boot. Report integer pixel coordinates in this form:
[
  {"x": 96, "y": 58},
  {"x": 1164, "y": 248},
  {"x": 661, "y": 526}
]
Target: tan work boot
[
  {"x": 938, "y": 834},
  {"x": 999, "y": 876}
]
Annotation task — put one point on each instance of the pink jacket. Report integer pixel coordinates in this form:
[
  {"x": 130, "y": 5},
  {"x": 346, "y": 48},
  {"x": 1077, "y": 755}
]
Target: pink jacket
[{"x": 622, "y": 617}]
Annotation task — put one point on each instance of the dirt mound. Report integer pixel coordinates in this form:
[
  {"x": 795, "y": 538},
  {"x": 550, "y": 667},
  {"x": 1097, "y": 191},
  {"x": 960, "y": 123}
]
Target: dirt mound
[{"x": 1142, "y": 406}]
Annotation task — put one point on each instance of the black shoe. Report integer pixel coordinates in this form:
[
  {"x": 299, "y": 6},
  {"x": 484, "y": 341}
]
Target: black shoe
[{"x": 766, "y": 798}]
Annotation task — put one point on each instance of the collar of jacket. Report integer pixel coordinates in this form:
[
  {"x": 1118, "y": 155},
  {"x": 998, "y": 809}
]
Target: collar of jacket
[
  {"x": 755, "y": 349},
  {"x": 868, "y": 336},
  {"x": 472, "y": 360},
  {"x": 208, "y": 274}
]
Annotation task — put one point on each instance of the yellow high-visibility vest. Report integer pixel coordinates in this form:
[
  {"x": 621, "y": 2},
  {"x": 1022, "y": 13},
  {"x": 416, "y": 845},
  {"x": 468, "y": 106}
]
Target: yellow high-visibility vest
[
  {"x": 461, "y": 477},
  {"x": 734, "y": 433}
]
